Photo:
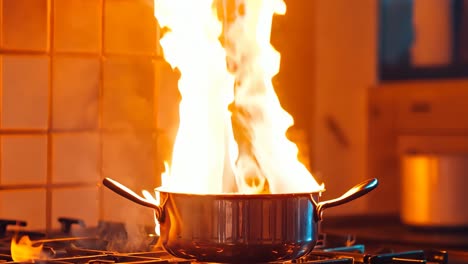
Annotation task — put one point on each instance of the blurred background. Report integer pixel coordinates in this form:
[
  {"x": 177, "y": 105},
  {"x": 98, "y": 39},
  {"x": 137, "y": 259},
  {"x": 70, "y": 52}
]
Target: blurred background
[{"x": 85, "y": 94}]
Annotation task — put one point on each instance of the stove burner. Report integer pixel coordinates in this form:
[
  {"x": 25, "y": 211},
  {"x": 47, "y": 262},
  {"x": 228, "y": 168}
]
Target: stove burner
[
  {"x": 95, "y": 247},
  {"x": 4, "y": 223},
  {"x": 66, "y": 224}
]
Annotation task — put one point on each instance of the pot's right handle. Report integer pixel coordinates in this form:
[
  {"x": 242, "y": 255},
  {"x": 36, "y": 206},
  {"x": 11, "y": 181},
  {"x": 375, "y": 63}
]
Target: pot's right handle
[
  {"x": 125, "y": 192},
  {"x": 352, "y": 194}
]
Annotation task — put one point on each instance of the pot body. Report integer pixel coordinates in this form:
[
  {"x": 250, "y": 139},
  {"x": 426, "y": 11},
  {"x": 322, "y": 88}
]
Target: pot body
[
  {"x": 434, "y": 190},
  {"x": 240, "y": 228}
]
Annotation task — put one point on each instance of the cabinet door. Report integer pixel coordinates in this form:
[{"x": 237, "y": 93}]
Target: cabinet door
[{"x": 433, "y": 108}]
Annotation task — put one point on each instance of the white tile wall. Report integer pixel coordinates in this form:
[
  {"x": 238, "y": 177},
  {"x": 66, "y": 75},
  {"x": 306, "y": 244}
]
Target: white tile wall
[
  {"x": 25, "y": 25},
  {"x": 168, "y": 109},
  {"x": 128, "y": 98},
  {"x": 78, "y": 26},
  {"x": 25, "y": 92},
  {"x": 75, "y": 103},
  {"x": 1, "y": 19},
  {"x": 81, "y": 203},
  {"x": 75, "y": 158},
  {"x": 75, "y": 93},
  {"x": 122, "y": 35},
  {"x": 24, "y": 159},
  {"x": 32, "y": 203},
  {"x": 117, "y": 208},
  {"x": 129, "y": 158}
]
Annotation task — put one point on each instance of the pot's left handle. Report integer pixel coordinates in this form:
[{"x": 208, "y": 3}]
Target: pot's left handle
[
  {"x": 125, "y": 192},
  {"x": 352, "y": 194}
]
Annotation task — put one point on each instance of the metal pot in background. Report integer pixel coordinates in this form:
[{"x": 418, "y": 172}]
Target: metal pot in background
[{"x": 434, "y": 190}]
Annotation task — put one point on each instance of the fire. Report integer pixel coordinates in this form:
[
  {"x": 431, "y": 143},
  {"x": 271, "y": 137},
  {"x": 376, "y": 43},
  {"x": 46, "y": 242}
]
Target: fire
[
  {"x": 24, "y": 251},
  {"x": 157, "y": 199},
  {"x": 232, "y": 130}
]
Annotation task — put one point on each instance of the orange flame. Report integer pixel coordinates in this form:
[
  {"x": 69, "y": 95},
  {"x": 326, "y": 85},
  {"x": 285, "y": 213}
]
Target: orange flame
[
  {"x": 193, "y": 47},
  {"x": 24, "y": 251},
  {"x": 232, "y": 130},
  {"x": 157, "y": 199}
]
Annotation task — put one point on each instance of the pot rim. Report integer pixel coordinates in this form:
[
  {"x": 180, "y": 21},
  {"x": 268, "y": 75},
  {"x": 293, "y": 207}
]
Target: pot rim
[{"x": 240, "y": 195}]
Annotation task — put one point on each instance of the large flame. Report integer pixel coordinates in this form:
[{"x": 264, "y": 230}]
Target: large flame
[
  {"x": 232, "y": 130},
  {"x": 193, "y": 47},
  {"x": 24, "y": 251}
]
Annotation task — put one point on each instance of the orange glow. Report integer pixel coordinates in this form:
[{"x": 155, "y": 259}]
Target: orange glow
[
  {"x": 420, "y": 170},
  {"x": 157, "y": 200},
  {"x": 232, "y": 130},
  {"x": 24, "y": 251},
  {"x": 192, "y": 46}
]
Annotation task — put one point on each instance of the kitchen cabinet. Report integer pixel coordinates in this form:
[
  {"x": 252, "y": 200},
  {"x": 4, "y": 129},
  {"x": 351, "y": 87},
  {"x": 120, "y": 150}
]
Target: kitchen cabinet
[
  {"x": 417, "y": 116},
  {"x": 425, "y": 108},
  {"x": 436, "y": 107}
]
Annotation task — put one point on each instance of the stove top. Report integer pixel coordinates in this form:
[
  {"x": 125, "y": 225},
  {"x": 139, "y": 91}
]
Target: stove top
[{"x": 108, "y": 243}]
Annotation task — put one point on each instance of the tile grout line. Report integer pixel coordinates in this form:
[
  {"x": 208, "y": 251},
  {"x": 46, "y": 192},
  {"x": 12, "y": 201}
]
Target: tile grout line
[
  {"x": 65, "y": 185},
  {"x": 156, "y": 91},
  {"x": 1, "y": 93},
  {"x": 79, "y": 54},
  {"x": 100, "y": 116},
  {"x": 14, "y": 132},
  {"x": 1, "y": 24},
  {"x": 50, "y": 14},
  {"x": 49, "y": 132}
]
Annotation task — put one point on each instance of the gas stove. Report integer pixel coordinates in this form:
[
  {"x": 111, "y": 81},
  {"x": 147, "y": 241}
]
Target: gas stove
[{"x": 108, "y": 243}]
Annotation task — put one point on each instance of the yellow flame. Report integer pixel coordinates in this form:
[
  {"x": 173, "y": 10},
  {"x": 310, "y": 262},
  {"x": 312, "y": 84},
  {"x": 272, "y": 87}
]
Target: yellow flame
[
  {"x": 242, "y": 149},
  {"x": 192, "y": 46},
  {"x": 24, "y": 251},
  {"x": 157, "y": 198}
]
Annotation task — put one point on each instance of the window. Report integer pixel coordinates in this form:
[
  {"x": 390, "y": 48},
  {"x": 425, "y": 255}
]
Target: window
[{"x": 423, "y": 39}]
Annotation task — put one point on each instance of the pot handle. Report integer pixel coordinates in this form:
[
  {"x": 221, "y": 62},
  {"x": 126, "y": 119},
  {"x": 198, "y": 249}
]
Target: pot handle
[
  {"x": 125, "y": 192},
  {"x": 352, "y": 194}
]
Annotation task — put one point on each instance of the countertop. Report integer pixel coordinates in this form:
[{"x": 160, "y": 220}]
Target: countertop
[{"x": 389, "y": 229}]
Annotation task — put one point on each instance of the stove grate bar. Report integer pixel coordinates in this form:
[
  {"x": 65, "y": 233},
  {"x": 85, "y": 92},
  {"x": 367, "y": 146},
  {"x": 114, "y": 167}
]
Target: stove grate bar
[
  {"x": 87, "y": 252},
  {"x": 407, "y": 261},
  {"x": 109, "y": 259},
  {"x": 4, "y": 257},
  {"x": 163, "y": 255},
  {"x": 415, "y": 255},
  {"x": 42, "y": 262},
  {"x": 355, "y": 249},
  {"x": 326, "y": 261}
]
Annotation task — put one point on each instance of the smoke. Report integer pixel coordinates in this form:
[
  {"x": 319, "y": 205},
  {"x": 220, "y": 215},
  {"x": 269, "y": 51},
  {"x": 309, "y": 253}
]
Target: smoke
[
  {"x": 130, "y": 159},
  {"x": 129, "y": 155}
]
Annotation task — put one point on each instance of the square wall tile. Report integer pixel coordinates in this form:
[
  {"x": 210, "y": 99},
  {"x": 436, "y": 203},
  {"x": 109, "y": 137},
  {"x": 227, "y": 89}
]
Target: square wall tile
[
  {"x": 25, "y": 25},
  {"x": 25, "y": 92},
  {"x": 128, "y": 91},
  {"x": 81, "y": 203},
  {"x": 1, "y": 19},
  {"x": 167, "y": 97},
  {"x": 115, "y": 208},
  {"x": 24, "y": 159},
  {"x": 164, "y": 147},
  {"x": 26, "y": 205},
  {"x": 129, "y": 27},
  {"x": 75, "y": 93},
  {"x": 75, "y": 158},
  {"x": 77, "y": 25},
  {"x": 130, "y": 159}
]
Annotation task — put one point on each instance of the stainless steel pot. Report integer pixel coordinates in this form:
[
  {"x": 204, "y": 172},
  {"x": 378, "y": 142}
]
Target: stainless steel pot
[{"x": 238, "y": 228}]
